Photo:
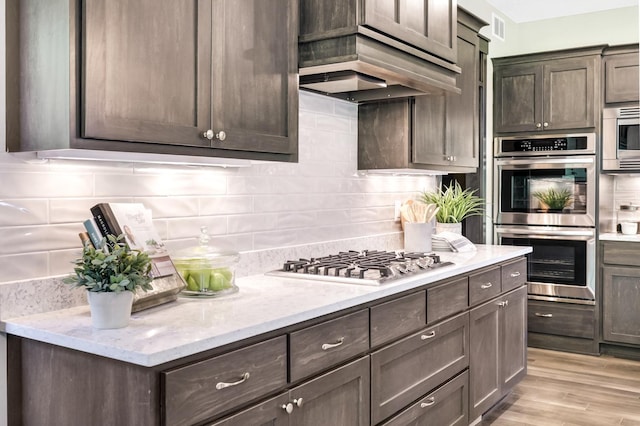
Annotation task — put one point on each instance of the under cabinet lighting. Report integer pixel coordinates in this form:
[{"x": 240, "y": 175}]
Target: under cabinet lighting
[
  {"x": 137, "y": 157},
  {"x": 400, "y": 172}
]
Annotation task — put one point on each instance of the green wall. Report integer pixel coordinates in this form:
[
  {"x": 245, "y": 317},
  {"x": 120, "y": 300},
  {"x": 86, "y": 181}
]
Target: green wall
[{"x": 612, "y": 27}]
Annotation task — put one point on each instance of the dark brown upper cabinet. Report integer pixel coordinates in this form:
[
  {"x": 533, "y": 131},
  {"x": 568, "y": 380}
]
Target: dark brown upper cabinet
[
  {"x": 621, "y": 75},
  {"x": 547, "y": 92},
  {"x": 213, "y": 78},
  {"x": 434, "y": 132},
  {"x": 364, "y": 50}
]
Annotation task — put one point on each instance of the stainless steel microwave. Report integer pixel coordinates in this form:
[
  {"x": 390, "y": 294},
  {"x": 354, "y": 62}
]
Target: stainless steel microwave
[{"x": 620, "y": 138}]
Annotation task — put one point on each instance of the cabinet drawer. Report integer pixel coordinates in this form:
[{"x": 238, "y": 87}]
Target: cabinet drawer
[
  {"x": 201, "y": 390},
  {"x": 406, "y": 370},
  {"x": 448, "y": 405},
  {"x": 397, "y": 318},
  {"x": 447, "y": 299},
  {"x": 319, "y": 347},
  {"x": 514, "y": 274},
  {"x": 484, "y": 286},
  {"x": 621, "y": 253},
  {"x": 563, "y": 319}
]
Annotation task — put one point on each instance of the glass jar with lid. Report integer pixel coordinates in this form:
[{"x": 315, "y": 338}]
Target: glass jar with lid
[
  {"x": 207, "y": 271},
  {"x": 628, "y": 218}
]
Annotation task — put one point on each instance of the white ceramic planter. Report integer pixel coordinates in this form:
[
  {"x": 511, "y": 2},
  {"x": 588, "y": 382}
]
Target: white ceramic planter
[
  {"x": 449, "y": 227},
  {"x": 110, "y": 310}
]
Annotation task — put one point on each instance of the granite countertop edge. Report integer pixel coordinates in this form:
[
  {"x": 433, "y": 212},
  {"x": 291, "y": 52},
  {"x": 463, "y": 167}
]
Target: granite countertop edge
[{"x": 263, "y": 304}]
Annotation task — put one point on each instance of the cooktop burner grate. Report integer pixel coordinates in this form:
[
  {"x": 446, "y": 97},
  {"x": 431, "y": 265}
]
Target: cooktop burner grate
[{"x": 371, "y": 267}]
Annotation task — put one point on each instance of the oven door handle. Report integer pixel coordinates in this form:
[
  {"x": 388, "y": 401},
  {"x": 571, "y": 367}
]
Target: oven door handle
[{"x": 546, "y": 232}]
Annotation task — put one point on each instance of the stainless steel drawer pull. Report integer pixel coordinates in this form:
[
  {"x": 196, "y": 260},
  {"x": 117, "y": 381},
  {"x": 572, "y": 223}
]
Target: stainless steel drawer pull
[
  {"x": 222, "y": 385},
  {"x": 429, "y": 403},
  {"x": 486, "y": 286},
  {"x": 327, "y": 346},
  {"x": 515, "y": 274},
  {"x": 538, "y": 314},
  {"x": 431, "y": 335}
]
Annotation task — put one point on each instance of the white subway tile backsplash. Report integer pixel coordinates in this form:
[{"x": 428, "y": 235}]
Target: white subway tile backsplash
[
  {"x": 19, "y": 212},
  {"x": 22, "y": 266},
  {"x": 268, "y": 205}
]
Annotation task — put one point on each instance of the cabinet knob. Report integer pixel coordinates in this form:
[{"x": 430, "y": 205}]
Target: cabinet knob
[
  {"x": 538, "y": 125},
  {"x": 298, "y": 402},
  {"x": 209, "y": 134},
  {"x": 288, "y": 408},
  {"x": 545, "y": 124}
]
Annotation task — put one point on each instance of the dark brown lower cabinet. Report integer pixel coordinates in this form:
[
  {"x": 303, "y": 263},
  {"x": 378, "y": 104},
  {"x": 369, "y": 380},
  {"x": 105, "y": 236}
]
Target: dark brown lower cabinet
[
  {"x": 408, "y": 369},
  {"x": 446, "y": 406},
  {"x": 498, "y": 349},
  {"x": 621, "y": 304}
]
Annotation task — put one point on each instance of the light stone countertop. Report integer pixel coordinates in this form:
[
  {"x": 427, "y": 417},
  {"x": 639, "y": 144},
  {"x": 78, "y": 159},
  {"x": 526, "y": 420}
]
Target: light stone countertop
[
  {"x": 613, "y": 236},
  {"x": 263, "y": 304}
]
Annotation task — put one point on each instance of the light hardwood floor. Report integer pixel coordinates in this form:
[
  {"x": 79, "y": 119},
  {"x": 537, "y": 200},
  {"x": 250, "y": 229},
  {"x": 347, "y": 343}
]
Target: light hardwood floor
[{"x": 569, "y": 389}]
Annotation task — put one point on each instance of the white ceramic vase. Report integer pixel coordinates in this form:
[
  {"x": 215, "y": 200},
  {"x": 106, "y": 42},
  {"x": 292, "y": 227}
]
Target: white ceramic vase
[
  {"x": 110, "y": 309},
  {"x": 449, "y": 227}
]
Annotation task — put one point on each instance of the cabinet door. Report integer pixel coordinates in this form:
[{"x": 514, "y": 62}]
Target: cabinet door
[
  {"x": 463, "y": 110},
  {"x": 429, "y": 25},
  {"x": 147, "y": 71},
  {"x": 484, "y": 352},
  {"x": 255, "y": 65},
  {"x": 513, "y": 332},
  {"x": 621, "y": 313},
  {"x": 518, "y": 98},
  {"x": 429, "y": 145},
  {"x": 569, "y": 94},
  {"x": 269, "y": 413},
  {"x": 340, "y": 397},
  {"x": 621, "y": 78}
]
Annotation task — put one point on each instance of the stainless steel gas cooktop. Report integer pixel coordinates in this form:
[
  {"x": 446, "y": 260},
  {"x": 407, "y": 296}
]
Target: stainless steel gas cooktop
[{"x": 368, "y": 267}]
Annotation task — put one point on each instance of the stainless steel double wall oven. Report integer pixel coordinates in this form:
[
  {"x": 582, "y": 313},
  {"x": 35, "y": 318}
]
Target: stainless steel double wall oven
[{"x": 545, "y": 197}]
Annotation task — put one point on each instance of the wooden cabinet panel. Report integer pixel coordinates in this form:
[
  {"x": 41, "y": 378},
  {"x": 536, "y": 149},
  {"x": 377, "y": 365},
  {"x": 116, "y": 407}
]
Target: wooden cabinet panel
[
  {"x": 447, "y": 299},
  {"x": 429, "y": 25},
  {"x": 141, "y": 82},
  {"x": 514, "y": 274},
  {"x": 397, "y": 318},
  {"x": 497, "y": 349},
  {"x": 484, "y": 286},
  {"x": 484, "y": 351},
  {"x": 446, "y": 406},
  {"x": 199, "y": 391},
  {"x": 620, "y": 253},
  {"x": 255, "y": 82},
  {"x": 409, "y": 368},
  {"x": 621, "y": 302},
  {"x": 267, "y": 413},
  {"x": 340, "y": 397},
  {"x": 316, "y": 348},
  {"x": 569, "y": 94},
  {"x": 562, "y": 319},
  {"x": 517, "y": 97},
  {"x": 621, "y": 78},
  {"x": 513, "y": 358}
]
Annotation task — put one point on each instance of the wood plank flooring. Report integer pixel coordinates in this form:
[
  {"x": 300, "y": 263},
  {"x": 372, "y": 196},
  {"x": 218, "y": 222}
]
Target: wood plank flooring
[{"x": 563, "y": 389}]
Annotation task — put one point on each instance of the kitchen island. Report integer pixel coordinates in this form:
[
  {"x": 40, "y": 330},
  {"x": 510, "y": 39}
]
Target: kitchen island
[{"x": 172, "y": 359}]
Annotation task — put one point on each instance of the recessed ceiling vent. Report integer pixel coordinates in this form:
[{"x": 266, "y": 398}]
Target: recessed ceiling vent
[{"x": 497, "y": 24}]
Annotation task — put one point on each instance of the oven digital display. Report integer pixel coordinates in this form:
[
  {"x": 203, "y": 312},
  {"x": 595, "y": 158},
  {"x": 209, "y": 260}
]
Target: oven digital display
[{"x": 569, "y": 143}]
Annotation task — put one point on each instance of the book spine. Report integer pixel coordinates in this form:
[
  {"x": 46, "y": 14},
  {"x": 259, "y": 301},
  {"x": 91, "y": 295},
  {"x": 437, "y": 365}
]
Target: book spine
[
  {"x": 105, "y": 220},
  {"x": 94, "y": 234}
]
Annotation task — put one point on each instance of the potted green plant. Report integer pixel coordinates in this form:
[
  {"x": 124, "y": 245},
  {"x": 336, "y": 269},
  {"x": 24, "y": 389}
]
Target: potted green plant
[
  {"x": 111, "y": 275},
  {"x": 552, "y": 199},
  {"x": 454, "y": 205}
]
